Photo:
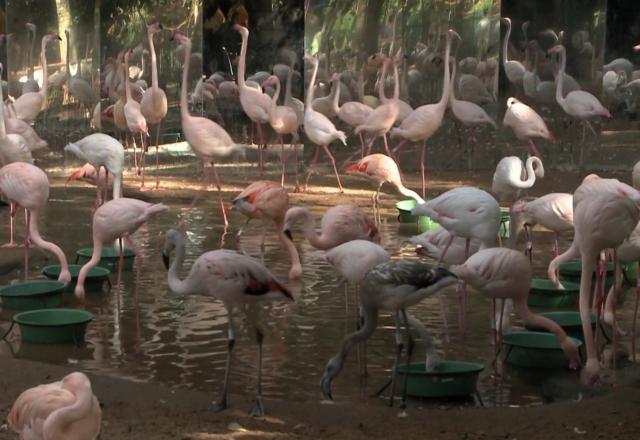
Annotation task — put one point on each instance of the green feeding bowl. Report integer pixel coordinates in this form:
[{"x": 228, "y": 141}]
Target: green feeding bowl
[
  {"x": 572, "y": 270},
  {"x": 529, "y": 349},
  {"x": 404, "y": 208},
  {"x": 449, "y": 379},
  {"x": 53, "y": 326},
  {"x": 95, "y": 278},
  {"x": 505, "y": 222},
  {"x": 542, "y": 293},
  {"x": 31, "y": 295},
  {"x": 569, "y": 321},
  {"x": 109, "y": 258}
]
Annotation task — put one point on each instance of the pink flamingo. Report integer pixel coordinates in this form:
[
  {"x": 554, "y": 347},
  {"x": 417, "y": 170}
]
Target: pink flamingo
[
  {"x": 154, "y": 100},
  {"x": 506, "y": 273},
  {"x": 339, "y": 224},
  {"x": 28, "y": 105},
  {"x": 254, "y": 103},
  {"x": 382, "y": 118},
  {"x": 118, "y": 218},
  {"x": 64, "y": 409},
  {"x": 508, "y": 177},
  {"x": 236, "y": 280},
  {"x": 433, "y": 243},
  {"x": 283, "y": 120},
  {"x": 627, "y": 252},
  {"x": 319, "y": 129},
  {"x": 526, "y": 124},
  {"x": 424, "y": 121},
  {"x": 593, "y": 184},
  {"x": 87, "y": 173},
  {"x": 381, "y": 169},
  {"x": 602, "y": 221},
  {"x": 353, "y": 113},
  {"x": 553, "y": 211},
  {"x": 208, "y": 140},
  {"x": 136, "y": 122},
  {"x": 513, "y": 69},
  {"x": 269, "y": 201},
  {"x": 578, "y": 103},
  {"x": 28, "y": 186}
]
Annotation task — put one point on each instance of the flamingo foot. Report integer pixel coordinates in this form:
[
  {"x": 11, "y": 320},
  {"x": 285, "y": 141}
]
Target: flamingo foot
[
  {"x": 11, "y": 244},
  {"x": 590, "y": 374},
  {"x": 157, "y": 188},
  {"x": 297, "y": 189},
  {"x": 144, "y": 188}
]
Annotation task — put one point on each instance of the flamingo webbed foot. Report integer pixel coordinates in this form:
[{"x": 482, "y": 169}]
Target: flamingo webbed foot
[
  {"x": 590, "y": 374},
  {"x": 144, "y": 188}
]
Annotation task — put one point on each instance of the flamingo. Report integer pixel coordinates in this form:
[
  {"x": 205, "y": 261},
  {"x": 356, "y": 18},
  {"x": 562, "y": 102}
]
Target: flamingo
[
  {"x": 79, "y": 88},
  {"x": 283, "y": 120},
  {"x": 393, "y": 286},
  {"x": 433, "y": 243},
  {"x": 30, "y": 85},
  {"x": 513, "y": 69},
  {"x": 526, "y": 124},
  {"x": 554, "y": 211},
  {"x": 319, "y": 129},
  {"x": 578, "y": 103},
  {"x": 593, "y": 183},
  {"x": 154, "y": 101},
  {"x": 339, "y": 224},
  {"x": 101, "y": 150},
  {"x": 601, "y": 221},
  {"x": 64, "y": 409},
  {"x": 508, "y": 177},
  {"x": 28, "y": 186},
  {"x": 424, "y": 121},
  {"x": 289, "y": 100},
  {"x": 87, "y": 173},
  {"x": 118, "y": 218},
  {"x": 254, "y": 103},
  {"x": 136, "y": 122},
  {"x": 382, "y": 118},
  {"x": 13, "y": 125},
  {"x": 506, "y": 273},
  {"x": 235, "y": 279},
  {"x": 382, "y": 169},
  {"x": 268, "y": 200},
  {"x": 353, "y": 113},
  {"x": 207, "y": 139},
  {"x": 28, "y": 105}
]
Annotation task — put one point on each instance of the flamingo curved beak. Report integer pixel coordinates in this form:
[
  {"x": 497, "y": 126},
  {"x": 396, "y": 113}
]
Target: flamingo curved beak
[
  {"x": 325, "y": 386},
  {"x": 165, "y": 260},
  {"x": 73, "y": 176},
  {"x": 353, "y": 168},
  {"x": 287, "y": 232}
]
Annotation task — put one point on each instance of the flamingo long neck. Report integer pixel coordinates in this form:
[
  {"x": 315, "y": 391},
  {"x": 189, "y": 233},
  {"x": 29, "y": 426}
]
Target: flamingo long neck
[
  {"x": 175, "y": 283},
  {"x": 117, "y": 185},
  {"x": 522, "y": 310},
  {"x": 66, "y": 33},
  {"x": 452, "y": 95},
  {"x": 505, "y": 44},
  {"x": 3, "y": 130},
  {"x": 32, "y": 34},
  {"x": 37, "y": 239},
  {"x": 287, "y": 88},
  {"x": 318, "y": 241},
  {"x": 360, "y": 86},
  {"x": 242, "y": 61},
  {"x": 154, "y": 62},
  {"x": 569, "y": 254},
  {"x": 383, "y": 97},
  {"x": 294, "y": 257},
  {"x": 184, "y": 107},
  {"x": 95, "y": 259},
  {"x": 43, "y": 63},
  {"x": 365, "y": 332},
  {"x": 588, "y": 263},
  {"x": 446, "y": 83},
  {"x": 59, "y": 419},
  {"x": 531, "y": 175},
  {"x": 396, "y": 82},
  {"x": 335, "y": 102},
  {"x": 127, "y": 81},
  {"x": 274, "y": 100},
  {"x": 408, "y": 192},
  {"x": 307, "y": 103},
  {"x": 560, "y": 77}
]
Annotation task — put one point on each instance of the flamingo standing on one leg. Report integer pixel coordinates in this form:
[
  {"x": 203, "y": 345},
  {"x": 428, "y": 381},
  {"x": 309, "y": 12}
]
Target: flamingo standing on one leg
[
  {"x": 268, "y": 200},
  {"x": 136, "y": 122},
  {"x": 235, "y": 279},
  {"x": 424, "y": 121},
  {"x": 154, "y": 100},
  {"x": 208, "y": 140},
  {"x": 254, "y": 103},
  {"x": 526, "y": 124},
  {"x": 506, "y": 273},
  {"x": 283, "y": 120},
  {"x": 115, "y": 219},
  {"x": 601, "y": 221},
  {"x": 339, "y": 224},
  {"x": 393, "y": 286},
  {"x": 319, "y": 129},
  {"x": 64, "y": 409},
  {"x": 508, "y": 177},
  {"x": 28, "y": 186}
]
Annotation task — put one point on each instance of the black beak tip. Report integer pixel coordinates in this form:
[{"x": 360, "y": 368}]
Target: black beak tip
[
  {"x": 287, "y": 232},
  {"x": 160, "y": 26},
  {"x": 165, "y": 261}
]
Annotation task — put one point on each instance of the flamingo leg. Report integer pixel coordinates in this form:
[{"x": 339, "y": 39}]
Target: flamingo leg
[
  {"x": 282, "y": 159},
  {"x": 422, "y": 171},
  {"x": 386, "y": 146},
  {"x": 446, "y": 248},
  {"x": 410, "y": 345},
  {"x": 394, "y": 371},
  {"x": 135, "y": 155},
  {"x": 555, "y": 242},
  {"x": 12, "y": 219},
  {"x": 612, "y": 303},
  {"x": 231, "y": 340},
  {"x": 335, "y": 169},
  {"x": 27, "y": 219},
  {"x": 362, "y": 145},
  {"x": 105, "y": 190},
  {"x": 312, "y": 167},
  {"x": 158, "y": 129},
  {"x": 402, "y": 142},
  {"x": 635, "y": 319},
  {"x": 143, "y": 155},
  {"x": 533, "y": 150},
  {"x": 261, "y": 146},
  {"x": 216, "y": 181},
  {"x": 258, "y": 409},
  {"x": 295, "y": 158}
]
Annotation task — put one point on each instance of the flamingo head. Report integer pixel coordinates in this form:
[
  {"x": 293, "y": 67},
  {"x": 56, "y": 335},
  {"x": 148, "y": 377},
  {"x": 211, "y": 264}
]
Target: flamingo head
[
  {"x": 506, "y": 20},
  {"x": 79, "y": 293},
  {"x": 155, "y": 27},
  {"x": 356, "y": 168},
  {"x": 173, "y": 239},
  {"x": 333, "y": 368},
  {"x": 53, "y": 37},
  {"x": 270, "y": 81},
  {"x": 451, "y": 33},
  {"x": 571, "y": 350},
  {"x": 79, "y": 174},
  {"x": 181, "y": 39},
  {"x": 243, "y": 30},
  {"x": 75, "y": 381},
  {"x": 558, "y": 48},
  {"x": 310, "y": 58},
  {"x": 30, "y": 26},
  {"x": 636, "y": 47}
]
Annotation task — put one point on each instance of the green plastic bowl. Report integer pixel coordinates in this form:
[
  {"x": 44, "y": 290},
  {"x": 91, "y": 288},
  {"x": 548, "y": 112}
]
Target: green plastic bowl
[
  {"x": 569, "y": 321},
  {"x": 505, "y": 222},
  {"x": 95, "y": 278},
  {"x": 449, "y": 379},
  {"x": 529, "y": 349},
  {"x": 404, "y": 208},
  {"x": 542, "y": 293},
  {"x": 572, "y": 270},
  {"x": 32, "y": 295},
  {"x": 109, "y": 258},
  {"x": 53, "y": 326}
]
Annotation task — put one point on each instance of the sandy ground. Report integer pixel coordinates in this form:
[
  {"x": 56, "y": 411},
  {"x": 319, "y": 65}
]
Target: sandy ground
[{"x": 150, "y": 411}]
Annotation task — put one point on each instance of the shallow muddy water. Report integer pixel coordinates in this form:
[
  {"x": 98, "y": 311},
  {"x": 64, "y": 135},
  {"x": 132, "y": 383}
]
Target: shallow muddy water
[{"x": 145, "y": 332}]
